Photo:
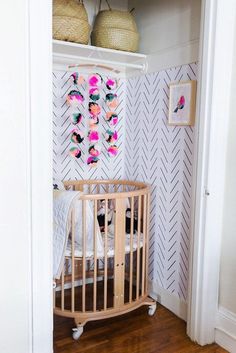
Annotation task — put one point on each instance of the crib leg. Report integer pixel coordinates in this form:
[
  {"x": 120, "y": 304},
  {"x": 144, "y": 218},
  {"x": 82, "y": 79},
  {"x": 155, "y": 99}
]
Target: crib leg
[
  {"x": 152, "y": 309},
  {"x": 78, "y": 330}
]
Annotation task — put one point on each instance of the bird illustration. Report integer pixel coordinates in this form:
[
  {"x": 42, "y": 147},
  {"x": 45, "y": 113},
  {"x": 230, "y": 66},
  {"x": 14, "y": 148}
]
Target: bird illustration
[{"x": 180, "y": 104}]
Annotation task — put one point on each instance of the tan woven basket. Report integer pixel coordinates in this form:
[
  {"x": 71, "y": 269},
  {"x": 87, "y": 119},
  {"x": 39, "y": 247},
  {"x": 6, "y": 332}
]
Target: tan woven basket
[
  {"x": 115, "y": 19},
  {"x": 70, "y": 21},
  {"x": 115, "y": 30},
  {"x": 116, "y": 38}
]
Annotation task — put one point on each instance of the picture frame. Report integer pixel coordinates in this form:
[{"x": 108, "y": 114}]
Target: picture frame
[{"x": 182, "y": 103}]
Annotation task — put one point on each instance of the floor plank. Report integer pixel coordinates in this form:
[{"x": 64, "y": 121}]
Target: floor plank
[{"x": 135, "y": 332}]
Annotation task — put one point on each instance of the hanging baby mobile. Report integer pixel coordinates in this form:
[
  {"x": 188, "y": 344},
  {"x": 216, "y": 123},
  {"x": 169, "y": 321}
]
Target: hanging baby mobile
[
  {"x": 111, "y": 135},
  {"x": 75, "y": 100}
]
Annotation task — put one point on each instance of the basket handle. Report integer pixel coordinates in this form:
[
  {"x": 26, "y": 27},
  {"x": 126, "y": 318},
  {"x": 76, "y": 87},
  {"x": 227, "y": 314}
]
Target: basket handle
[{"x": 100, "y": 5}]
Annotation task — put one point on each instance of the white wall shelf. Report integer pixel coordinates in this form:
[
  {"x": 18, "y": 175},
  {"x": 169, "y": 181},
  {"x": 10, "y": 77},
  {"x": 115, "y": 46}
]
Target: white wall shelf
[{"x": 66, "y": 54}]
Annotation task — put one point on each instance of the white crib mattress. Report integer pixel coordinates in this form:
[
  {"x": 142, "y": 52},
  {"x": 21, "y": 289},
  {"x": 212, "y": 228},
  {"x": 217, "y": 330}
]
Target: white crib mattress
[{"x": 110, "y": 244}]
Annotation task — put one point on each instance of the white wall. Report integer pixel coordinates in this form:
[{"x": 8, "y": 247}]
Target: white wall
[
  {"x": 25, "y": 202},
  {"x": 169, "y": 31},
  {"x": 15, "y": 323},
  {"x": 228, "y": 256}
]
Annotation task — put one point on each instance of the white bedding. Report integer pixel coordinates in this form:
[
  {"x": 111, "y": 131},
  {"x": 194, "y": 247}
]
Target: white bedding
[
  {"x": 110, "y": 244},
  {"x": 62, "y": 205}
]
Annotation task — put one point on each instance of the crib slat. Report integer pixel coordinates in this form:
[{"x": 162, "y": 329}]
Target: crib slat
[
  {"x": 67, "y": 267},
  {"x": 84, "y": 255},
  {"x": 73, "y": 260},
  {"x": 131, "y": 250},
  {"x": 144, "y": 241},
  {"x": 138, "y": 247},
  {"x": 95, "y": 258},
  {"x": 54, "y": 298},
  {"x": 105, "y": 254},
  {"x": 119, "y": 258},
  {"x": 63, "y": 287},
  {"x": 147, "y": 240}
]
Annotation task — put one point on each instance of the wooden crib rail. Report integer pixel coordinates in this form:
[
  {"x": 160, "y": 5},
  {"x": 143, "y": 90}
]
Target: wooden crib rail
[{"x": 79, "y": 185}]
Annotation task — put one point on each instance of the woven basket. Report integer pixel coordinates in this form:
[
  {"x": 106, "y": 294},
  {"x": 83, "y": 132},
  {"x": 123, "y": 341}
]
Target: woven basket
[
  {"x": 115, "y": 19},
  {"x": 70, "y": 21},
  {"x": 116, "y": 38},
  {"x": 115, "y": 30}
]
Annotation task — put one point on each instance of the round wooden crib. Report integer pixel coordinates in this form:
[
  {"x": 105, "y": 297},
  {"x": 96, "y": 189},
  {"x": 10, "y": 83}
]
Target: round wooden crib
[{"x": 97, "y": 284}]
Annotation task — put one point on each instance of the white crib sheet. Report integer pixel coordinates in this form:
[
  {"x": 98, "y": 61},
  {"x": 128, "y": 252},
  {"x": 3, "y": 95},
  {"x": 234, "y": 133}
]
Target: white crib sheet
[{"x": 110, "y": 243}]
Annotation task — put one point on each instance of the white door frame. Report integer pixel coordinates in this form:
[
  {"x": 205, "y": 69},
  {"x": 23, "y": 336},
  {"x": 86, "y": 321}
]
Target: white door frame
[
  {"x": 40, "y": 131},
  {"x": 216, "y": 53}
]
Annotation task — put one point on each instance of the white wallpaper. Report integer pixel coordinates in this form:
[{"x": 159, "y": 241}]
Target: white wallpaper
[
  {"x": 150, "y": 151},
  {"x": 162, "y": 156}
]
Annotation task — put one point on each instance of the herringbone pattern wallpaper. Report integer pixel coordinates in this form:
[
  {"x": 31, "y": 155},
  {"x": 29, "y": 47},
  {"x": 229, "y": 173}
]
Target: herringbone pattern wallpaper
[
  {"x": 66, "y": 167},
  {"x": 162, "y": 156},
  {"x": 149, "y": 150}
]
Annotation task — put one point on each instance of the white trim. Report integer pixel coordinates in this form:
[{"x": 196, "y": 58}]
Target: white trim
[
  {"x": 175, "y": 56},
  {"x": 214, "y": 93},
  {"x": 225, "y": 333},
  {"x": 169, "y": 300},
  {"x": 200, "y": 162},
  {"x": 28, "y": 173},
  {"x": 40, "y": 166}
]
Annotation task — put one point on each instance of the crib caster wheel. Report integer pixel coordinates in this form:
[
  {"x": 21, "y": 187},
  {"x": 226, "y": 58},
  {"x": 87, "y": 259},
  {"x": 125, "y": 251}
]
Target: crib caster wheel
[
  {"x": 77, "y": 332},
  {"x": 152, "y": 309}
]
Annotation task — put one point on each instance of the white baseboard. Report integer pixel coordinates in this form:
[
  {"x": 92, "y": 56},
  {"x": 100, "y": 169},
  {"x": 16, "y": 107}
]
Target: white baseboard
[
  {"x": 169, "y": 300},
  {"x": 225, "y": 332}
]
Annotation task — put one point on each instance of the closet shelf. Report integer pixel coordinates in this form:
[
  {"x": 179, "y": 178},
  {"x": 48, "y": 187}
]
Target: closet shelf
[{"x": 66, "y": 54}]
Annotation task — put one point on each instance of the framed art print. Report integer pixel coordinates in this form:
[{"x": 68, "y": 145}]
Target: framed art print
[{"x": 182, "y": 103}]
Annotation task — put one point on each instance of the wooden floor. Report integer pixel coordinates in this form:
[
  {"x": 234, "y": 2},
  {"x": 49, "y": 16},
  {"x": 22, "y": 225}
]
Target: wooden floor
[{"x": 135, "y": 332}]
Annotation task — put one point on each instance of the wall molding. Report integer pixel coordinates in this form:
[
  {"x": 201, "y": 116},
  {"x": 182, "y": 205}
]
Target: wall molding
[
  {"x": 169, "y": 300},
  {"x": 174, "y": 56},
  {"x": 225, "y": 332}
]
